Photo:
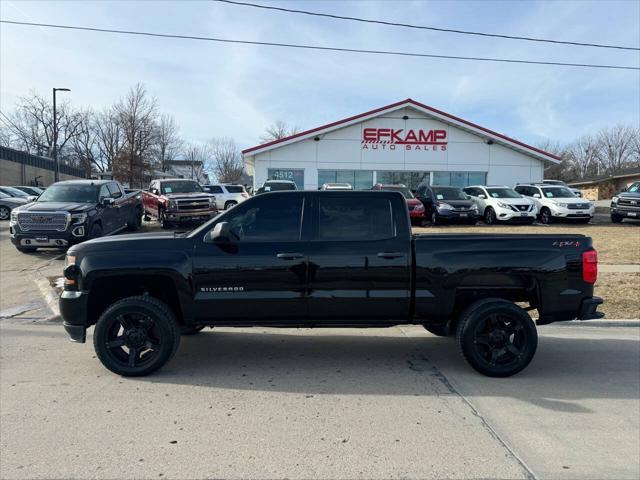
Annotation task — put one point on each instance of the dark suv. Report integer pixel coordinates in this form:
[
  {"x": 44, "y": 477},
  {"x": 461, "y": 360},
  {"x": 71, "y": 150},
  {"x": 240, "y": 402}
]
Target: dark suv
[
  {"x": 626, "y": 204},
  {"x": 445, "y": 203}
]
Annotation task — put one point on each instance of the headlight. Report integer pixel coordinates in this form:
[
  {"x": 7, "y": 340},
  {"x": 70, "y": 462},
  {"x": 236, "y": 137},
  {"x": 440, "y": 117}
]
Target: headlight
[
  {"x": 212, "y": 201},
  {"x": 504, "y": 205},
  {"x": 419, "y": 207},
  {"x": 613, "y": 200},
  {"x": 172, "y": 205},
  {"x": 474, "y": 207},
  {"x": 14, "y": 217},
  {"x": 444, "y": 206},
  {"x": 559, "y": 204},
  {"x": 78, "y": 218}
]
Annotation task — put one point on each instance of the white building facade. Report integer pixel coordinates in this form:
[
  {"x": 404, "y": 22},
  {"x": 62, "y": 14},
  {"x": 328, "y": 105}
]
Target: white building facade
[{"x": 406, "y": 142}]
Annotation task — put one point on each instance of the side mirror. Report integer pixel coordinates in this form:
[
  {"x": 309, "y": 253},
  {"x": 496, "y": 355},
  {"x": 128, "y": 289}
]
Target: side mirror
[
  {"x": 222, "y": 233},
  {"x": 260, "y": 190},
  {"x": 536, "y": 195},
  {"x": 624, "y": 189},
  {"x": 107, "y": 202},
  {"x": 481, "y": 196}
]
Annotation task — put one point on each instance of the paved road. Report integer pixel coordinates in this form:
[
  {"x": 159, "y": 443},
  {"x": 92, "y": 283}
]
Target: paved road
[{"x": 269, "y": 403}]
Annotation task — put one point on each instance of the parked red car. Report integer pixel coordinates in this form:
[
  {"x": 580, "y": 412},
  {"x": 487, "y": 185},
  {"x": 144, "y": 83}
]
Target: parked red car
[{"x": 415, "y": 206}]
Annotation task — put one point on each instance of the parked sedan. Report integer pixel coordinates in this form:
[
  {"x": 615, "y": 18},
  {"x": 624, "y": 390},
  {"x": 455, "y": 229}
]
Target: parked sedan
[
  {"x": 7, "y": 204},
  {"x": 447, "y": 204},
  {"x": 415, "y": 206},
  {"x": 14, "y": 192},
  {"x": 36, "y": 191},
  {"x": 502, "y": 204}
]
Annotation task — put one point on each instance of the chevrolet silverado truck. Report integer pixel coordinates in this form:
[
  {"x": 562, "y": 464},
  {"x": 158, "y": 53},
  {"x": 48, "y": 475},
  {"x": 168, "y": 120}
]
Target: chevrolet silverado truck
[
  {"x": 324, "y": 259},
  {"x": 177, "y": 201},
  {"x": 73, "y": 211},
  {"x": 626, "y": 204}
]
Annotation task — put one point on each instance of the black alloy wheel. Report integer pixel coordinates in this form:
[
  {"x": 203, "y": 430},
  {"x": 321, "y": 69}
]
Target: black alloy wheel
[
  {"x": 545, "y": 216},
  {"x": 496, "y": 337},
  {"x": 489, "y": 216},
  {"x": 5, "y": 213},
  {"x": 136, "y": 336}
]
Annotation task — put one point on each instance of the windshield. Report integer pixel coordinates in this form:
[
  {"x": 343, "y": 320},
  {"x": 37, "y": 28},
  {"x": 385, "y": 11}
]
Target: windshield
[
  {"x": 70, "y": 193},
  {"x": 14, "y": 192},
  {"x": 3, "y": 195},
  {"x": 503, "y": 193},
  {"x": 634, "y": 187},
  {"x": 449, "y": 194},
  {"x": 277, "y": 186},
  {"x": 180, "y": 187},
  {"x": 403, "y": 190},
  {"x": 234, "y": 188},
  {"x": 558, "y": 192}
]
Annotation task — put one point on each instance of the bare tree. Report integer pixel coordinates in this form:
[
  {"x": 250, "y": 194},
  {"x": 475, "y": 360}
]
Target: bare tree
[
  {"x": 109, "y": 137},
  {"x": 31, "y": 124},
  {"x": 583, "y": 157},
  {"x": 227, "y": 160},
  {"x": 168, "y": 142},
  {"x": 84, "y": 146},
  {"x": 198, "y": 157},
  {"x": 278, "y": 130},
  {"x": 136, "y": 115},
  {"x": 615, "y": 147}
]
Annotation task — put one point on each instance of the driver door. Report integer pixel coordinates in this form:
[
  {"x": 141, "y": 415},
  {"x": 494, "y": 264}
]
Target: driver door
[
  {"x": 262, "y": 275},
  {"x": 108, "y": 211}
]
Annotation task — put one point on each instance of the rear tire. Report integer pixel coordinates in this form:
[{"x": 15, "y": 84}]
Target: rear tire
[
  {"x": 496, "y": 337},
  {"x": 229, "y": 204},
  {"x": 142, "y": 325}
]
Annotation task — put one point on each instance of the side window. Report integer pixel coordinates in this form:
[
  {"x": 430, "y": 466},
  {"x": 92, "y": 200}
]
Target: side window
[
  {"x": 269, "y": 219},
  {"x": 523, "y": 191},
  {"x": 114, "y": 190},
  {"x": 421, "y": 191},
  {"x": 215, "y": 189},
  {"x": 354, "y": 218},
  {"x": 104, "y": 193}
]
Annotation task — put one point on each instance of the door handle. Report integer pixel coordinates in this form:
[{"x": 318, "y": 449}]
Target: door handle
[
  {"x": 289, "y": 256},
  {"x": 390, "y": 255}
]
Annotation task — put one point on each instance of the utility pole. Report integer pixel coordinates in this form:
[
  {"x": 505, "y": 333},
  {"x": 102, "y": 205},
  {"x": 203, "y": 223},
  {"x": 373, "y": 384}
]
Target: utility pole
[{"x": 54, "y": 153}]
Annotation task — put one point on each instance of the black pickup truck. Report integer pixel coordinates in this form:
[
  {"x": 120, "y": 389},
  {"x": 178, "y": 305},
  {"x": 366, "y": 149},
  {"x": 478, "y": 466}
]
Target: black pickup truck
[
  {"x": 324, "y": 259},
  {"x": 73, "y": 211}
]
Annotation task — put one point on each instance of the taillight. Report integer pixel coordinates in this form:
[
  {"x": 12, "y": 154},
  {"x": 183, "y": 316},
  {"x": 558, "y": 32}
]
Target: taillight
[{"x": 590, "y": 266}]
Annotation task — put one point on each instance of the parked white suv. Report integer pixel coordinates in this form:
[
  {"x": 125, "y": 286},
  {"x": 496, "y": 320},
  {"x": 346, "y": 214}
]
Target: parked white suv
[
  {"x": 227, "y": 195},
  {"x": 502, "y": 204},
  {"x": 557, "y": 202}
]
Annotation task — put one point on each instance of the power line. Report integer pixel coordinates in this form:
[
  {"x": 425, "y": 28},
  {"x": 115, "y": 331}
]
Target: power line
[
  {"x": 422, "y": 27},
  {"x": 317, "y": 47}
]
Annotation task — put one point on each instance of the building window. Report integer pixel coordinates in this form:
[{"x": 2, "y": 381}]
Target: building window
[
  {"x": 459, "y": 179},
  {"x": 410, "y": 179},
  {"x": 359, "y": 179},
  {"x": 294, "y": 175}
]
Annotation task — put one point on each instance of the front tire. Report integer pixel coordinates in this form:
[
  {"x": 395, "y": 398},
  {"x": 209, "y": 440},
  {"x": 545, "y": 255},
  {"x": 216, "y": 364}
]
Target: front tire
[
  {"x": 5, "y": 213},
  {"x": 136, "y": 336},
  {"x": 435, "y": 220},
  {"x": 96, "y": 231},
  {"x": 616, "y": 218},
  {"x": 490, "y": 216},
  {"x": 545, "y": 216},
  {"x": 438, "y": 330},
  {"x": 496, "y": 337},
  {"x": 136, "y": 221}
]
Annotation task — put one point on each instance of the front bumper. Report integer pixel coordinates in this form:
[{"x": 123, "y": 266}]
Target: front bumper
[
  {"x": 625, "y": 211},
  {"x": 73, "y": 310},
  {"x": 504, "y": 215},
  {"x": 416, "y": 213},
  {"x": 190, "y": 216},
  {"x": 458, "y": 216},
  {"x": 47, "y": 239},
  {"x": 561, "y": 212}
]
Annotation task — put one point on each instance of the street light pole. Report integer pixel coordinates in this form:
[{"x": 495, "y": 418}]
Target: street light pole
[{"x": 54, "y": 153}]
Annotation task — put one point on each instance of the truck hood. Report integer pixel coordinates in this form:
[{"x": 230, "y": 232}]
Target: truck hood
[
  {"x": 57, "y": 207},
  {"x": 632, "y": 195},
  {"x": 119, "y": 243},
  {"x": 14, "y": 201},
  {"x": 458, "y": 203},
  {"x": 513, "y": 201}
]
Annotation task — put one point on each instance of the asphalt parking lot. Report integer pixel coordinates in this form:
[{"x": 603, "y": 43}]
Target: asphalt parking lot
[{"x": 269, "y": 403}]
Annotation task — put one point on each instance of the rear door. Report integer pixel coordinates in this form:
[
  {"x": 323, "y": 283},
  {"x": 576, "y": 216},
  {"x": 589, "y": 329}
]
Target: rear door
[
  {"x": 122, "y": 210},
  {"x": 262, "y": 276},
  {"x": 359, "y": 257}
]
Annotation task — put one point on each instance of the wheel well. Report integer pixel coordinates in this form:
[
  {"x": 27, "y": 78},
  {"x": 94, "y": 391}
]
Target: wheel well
[
  {"x": 108, "y": 290},
  {"x": 527, "y": 295}
]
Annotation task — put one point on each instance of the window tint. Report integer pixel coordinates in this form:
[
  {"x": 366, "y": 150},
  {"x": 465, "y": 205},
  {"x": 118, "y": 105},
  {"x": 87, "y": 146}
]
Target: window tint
[
  {"x": 234, "y": 188},
  {"x": 104, "y": 193},
  {"x": 269, "y": 219},
  {"x": 354, "y": 218},
  {"x": 213, "y": 189},
  {"x": 114, "y": 190}
]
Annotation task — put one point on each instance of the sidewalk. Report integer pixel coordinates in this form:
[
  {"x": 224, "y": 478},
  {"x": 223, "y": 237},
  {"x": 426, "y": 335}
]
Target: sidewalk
[{"x": 625, "y": 268}]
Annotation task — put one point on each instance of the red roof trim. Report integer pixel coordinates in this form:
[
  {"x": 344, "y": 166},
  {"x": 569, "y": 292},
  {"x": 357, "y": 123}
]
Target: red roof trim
[{"x": 397, "y": 104}]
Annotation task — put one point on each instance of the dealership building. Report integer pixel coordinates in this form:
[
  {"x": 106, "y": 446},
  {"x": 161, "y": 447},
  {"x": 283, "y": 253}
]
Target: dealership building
[{"x": 405, "y": 142}]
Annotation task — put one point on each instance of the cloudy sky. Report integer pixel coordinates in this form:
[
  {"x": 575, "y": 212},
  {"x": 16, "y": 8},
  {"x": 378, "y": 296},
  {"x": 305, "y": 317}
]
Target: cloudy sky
[{"x": 215, "y": 89}]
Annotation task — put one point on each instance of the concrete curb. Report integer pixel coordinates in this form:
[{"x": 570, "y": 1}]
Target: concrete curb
[
  {"x": 51, "y": 298},
  {"x": 633, "y": 322}
]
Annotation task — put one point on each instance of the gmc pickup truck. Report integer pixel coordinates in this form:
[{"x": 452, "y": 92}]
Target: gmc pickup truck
[
  {"x": 176, "y": 201},
  {"x": 73, "y": 211},
  {"x": 324, "y": 259}
]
